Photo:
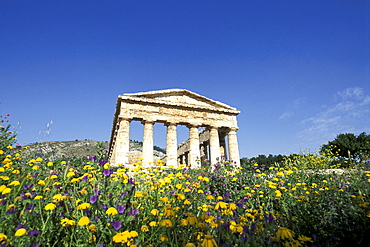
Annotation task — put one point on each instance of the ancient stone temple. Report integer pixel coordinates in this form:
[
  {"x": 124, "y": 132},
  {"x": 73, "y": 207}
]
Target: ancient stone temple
[{"x": 174, "y": 107}]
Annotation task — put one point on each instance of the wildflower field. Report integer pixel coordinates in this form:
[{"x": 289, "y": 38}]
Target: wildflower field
[{"x": 88, "y": 202}]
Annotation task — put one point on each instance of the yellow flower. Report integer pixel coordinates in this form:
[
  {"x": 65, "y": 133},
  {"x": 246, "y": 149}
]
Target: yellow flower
[
  {"x": 14, "y": 183},
  {"x": 20, "y": 232},
  {"x": 210, "y": 197},
  {"x": 41, "y": 182},
  {"x": 209, "y": 241},
  {"x": 232, "y": 206},
  {"x": 153, "y": 223},
  {"x": 67, "y": 222},
  {"x": 278, "y": 193},
  {"x": 70, "y": 174},
  {"x": 154, "y": 212},
  {"x": 236, "y": 228},
  {"x": 192, "y": 219},
  {"x": 111, "y": 211},
  {"x": 92, "y": 239},
  {"x": 166, "y": 223},
  {"x": 2, "y": 235},
  {"x": 84, "y": 205},
  {"x": 50, "y": 206},
  {"x": 221, "y": 204},
  {"x": 6, "y": 191},
  {"x": 125, "y": 237},
  {"x": 284, "y": 233},
  {"x": 183, "y": 222},
  {"x": 304, "y": 239},
  {"x": 83, "y": 221},
  {"x": 144, "y": 228},
  {"x": 164, "y": 238},
  {"x": 164, "y": 199},
  {"x": 58, "y": 197},
  {"x": 168, "y": 211},
  {"x": 180, "y": 196},
  {"x": 187, "y": 202},
  {"x": 190, "y": 245},
  {"x": 92, "y": 228}
]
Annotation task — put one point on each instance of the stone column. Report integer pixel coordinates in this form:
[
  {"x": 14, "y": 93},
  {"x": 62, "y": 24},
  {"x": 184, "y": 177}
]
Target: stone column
[
  {"x": 148, "y": 143},
  {"x": 171, "y": 145},
  {"x": 223, "y": 152},
  {"x": 194, "y": 152},
  {"x": 233, "y": 146},
  {"x": 122, "y": 145},
  {"x": 214, "y": 145}
]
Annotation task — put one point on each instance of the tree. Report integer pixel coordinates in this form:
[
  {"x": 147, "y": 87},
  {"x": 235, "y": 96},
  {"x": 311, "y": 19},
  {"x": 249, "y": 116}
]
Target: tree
[{"x": 348, "y": 146}]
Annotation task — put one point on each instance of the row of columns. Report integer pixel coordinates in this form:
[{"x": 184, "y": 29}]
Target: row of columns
[
  {"x": 214, "y": 147},
  {"x": 123, "y": 137}
]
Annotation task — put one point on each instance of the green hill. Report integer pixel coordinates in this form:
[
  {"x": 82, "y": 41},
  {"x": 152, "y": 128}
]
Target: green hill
[{"x": 78, "y": 149}]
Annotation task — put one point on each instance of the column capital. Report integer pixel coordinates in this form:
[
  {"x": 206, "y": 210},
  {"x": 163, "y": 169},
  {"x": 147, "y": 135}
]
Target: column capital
[
  {"x": 144, "y": 121},
  {"x": 122, "y": 118},
  {"x": 233, "y": 129},
  {"x": 170, "y": 123},
  {"x": 190, "y": 125}
]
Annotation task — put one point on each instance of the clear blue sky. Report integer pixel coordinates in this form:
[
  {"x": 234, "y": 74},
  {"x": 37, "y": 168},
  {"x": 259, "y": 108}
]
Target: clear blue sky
[{"x": 298, "y": 70}]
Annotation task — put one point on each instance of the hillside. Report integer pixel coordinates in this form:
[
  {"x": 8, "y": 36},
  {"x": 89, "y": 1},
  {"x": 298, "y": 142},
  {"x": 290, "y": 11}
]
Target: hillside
[{"x": 79, "y": 149}]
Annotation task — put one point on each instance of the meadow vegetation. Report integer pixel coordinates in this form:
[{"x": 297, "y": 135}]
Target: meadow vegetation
[{"x": 303, "y": 200}]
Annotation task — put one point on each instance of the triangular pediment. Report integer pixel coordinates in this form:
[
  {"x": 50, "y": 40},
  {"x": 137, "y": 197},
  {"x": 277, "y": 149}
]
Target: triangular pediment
[{"x": 180, "y": 97}]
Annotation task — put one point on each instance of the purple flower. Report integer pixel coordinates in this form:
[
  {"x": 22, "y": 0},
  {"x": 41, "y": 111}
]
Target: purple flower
[
  {"x": 269, "y": 218},
  {"x": 21, "y": 226},
  {"x": 131, "y": 181},
  {"x": 116, "y": 225},
  {"x": 27, "y": 187},
  {"x": 253, "y": 227},
  {"x": 30, "y": 206},
  {"x": 11, "y": 211},
  {"x": 102, "y": 162},
  {"x": 121, "y": 208},
  {"x": 85, "y": 178},
  {"x": 107, "y": 172},
  {"x": 93, "y": 199},
  {"x": 91, "y": 157},
  {"x": 34, "y": 232},
  {"x": 134, "y": 211}
]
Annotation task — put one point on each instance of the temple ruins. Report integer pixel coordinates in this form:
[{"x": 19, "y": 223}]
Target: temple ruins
[{"x": 174, "y": 107}]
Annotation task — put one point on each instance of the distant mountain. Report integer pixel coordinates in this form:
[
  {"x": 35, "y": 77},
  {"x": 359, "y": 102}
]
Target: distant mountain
[{"x": 79, "y": 149}]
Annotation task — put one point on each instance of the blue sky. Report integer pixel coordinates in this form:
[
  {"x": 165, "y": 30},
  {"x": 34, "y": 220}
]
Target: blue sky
[{"x": 299, "y": 71}]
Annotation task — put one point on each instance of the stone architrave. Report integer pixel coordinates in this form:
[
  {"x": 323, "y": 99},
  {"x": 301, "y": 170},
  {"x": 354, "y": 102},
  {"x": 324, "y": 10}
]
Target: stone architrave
[{"x": 171, "y": 106}]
